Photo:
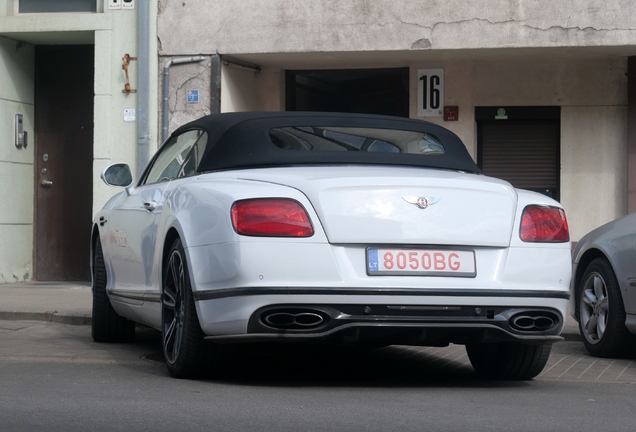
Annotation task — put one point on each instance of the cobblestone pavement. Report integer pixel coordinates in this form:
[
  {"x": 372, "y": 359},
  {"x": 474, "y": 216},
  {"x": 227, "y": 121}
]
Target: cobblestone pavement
[
  {"x": 50, "y": 342},
  {"x": 569, "y": 361}
]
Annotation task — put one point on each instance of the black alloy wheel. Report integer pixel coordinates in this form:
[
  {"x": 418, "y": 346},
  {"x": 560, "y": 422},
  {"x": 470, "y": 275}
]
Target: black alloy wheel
[
  {"x": 184, "y": 349},
  {"x": 107, "y": 325},
  {"x": 173, "y": 306}
]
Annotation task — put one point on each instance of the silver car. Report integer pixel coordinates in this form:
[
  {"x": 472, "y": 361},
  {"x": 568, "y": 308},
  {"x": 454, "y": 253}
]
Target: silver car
[
  {"x": 603, "y": 291},
  {"x": 328, "y": 228}
]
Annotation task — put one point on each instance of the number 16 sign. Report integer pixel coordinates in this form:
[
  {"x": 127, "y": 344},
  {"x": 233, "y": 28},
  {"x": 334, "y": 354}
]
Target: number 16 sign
[{"x": 430, "y": 92}]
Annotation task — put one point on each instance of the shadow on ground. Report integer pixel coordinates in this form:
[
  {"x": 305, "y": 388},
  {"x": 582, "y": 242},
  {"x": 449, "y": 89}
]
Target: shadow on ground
[{"x": 281, "y": 364}]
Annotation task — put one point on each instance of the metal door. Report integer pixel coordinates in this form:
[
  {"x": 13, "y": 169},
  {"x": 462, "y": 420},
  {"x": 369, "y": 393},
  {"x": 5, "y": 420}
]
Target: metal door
[
  {"x": 523, "y": 152},
  {"x": 63, "y": 161}
]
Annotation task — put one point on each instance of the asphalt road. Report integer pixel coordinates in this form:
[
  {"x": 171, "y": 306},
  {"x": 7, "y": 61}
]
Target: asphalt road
[{"x": 54, "y": 377}]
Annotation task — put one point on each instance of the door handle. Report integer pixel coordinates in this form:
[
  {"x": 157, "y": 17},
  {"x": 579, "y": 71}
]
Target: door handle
[
  {"x": 46, "y": 183},
  {"x": 150, "y": 205}
]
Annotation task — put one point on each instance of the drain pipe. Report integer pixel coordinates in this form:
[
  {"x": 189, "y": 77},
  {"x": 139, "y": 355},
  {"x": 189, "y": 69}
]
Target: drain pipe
[
  {"x": 143, "y": 138},
  {"x": 215, "y": 90},
  {"x": 166, "y": 90}
]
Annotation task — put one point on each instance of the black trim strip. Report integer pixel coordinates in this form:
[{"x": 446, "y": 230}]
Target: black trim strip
[
  {"x": 494, "y": 332},
  {"x": 249, "y": 291}
]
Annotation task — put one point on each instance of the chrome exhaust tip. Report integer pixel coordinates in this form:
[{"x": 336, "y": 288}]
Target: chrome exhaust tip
[
  {"x": 533, "y": 322},
  {"x": 289, "y": 320}
]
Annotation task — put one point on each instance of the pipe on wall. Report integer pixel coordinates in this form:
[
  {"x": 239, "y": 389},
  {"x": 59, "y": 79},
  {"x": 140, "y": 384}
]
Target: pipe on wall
[
  {"x": 143, "y": 138},
  {"x": 215, "y": 88},
  {"x": 165, "y": 107}
]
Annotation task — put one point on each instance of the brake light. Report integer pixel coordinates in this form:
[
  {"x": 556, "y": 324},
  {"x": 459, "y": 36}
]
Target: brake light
[
  {"x": 544, "y": 224},
  {"x": 271, "y": 217}
]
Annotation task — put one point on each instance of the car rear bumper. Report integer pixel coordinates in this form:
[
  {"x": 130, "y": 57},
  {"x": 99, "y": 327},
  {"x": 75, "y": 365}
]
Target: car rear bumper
[{"x": 382, "y": 315}]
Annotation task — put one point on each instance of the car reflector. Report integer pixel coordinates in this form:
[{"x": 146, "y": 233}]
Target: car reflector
[
  {"x": 271, "y": 217},
  {"x": 544, "y": 224}
]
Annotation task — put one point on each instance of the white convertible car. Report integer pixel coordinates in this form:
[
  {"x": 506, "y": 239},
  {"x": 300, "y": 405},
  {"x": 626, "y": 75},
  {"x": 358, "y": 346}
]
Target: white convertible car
[{"x": 329, "y": 228}]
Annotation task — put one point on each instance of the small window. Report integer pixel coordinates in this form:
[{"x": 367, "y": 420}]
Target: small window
[
  {"x": 430, "y": 145},
  {"x": 171, "y": 157},
  {"x": 356, "y": 139},
  {"x": 382, "y": 147},
  {"x": 194, "y": 158},
  {"x": 52, "y": 6}
]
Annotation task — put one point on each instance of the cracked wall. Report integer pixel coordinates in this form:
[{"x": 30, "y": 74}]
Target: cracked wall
[
  {"x": 567, "y": 53},
  {"x": 592, "y": 94},
  {"x": 184, "y": 77},
  {"x": 241, "y": 90},
  {"x": 276, "y": 26}
]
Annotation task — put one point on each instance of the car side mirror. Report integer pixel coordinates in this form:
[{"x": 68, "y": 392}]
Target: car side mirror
[{"x": 117, "y": 175}]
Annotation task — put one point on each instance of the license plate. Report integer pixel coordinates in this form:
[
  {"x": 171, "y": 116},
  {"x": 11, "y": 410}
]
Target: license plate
[{"x": 421, "y": 262}]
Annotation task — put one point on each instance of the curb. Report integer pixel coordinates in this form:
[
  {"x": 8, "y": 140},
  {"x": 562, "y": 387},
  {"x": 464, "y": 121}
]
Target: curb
[{"x": 46, "y": 316}]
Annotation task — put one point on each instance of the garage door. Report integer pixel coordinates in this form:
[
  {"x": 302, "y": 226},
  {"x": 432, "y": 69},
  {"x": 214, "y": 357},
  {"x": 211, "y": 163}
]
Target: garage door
[{"x": 524, "y": 152}]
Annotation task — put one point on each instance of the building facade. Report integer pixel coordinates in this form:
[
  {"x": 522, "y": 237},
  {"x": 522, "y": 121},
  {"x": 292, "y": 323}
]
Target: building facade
[
  {"x": 67, "y": 109},
  {"x": 536, "y": 89},
  {"x": 542, "y": 93}
]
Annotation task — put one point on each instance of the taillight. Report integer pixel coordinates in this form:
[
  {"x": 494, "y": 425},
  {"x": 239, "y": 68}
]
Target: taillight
[
  {"x": 544, "y": 224},
  {"x": 271, "y": 217}
]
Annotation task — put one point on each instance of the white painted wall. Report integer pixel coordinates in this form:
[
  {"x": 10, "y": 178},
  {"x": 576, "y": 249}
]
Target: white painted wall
[
  {"x": 593, "y": 165},
  {"x": 238, "y": 90},
  {"x": 115, "y": 140},
  {"x": 16, "y": 165}
]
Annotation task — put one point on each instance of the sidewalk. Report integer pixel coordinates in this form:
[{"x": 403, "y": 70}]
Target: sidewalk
[
  {"x": 71, "y": 303},
  {"x": 63, "y": 302}
]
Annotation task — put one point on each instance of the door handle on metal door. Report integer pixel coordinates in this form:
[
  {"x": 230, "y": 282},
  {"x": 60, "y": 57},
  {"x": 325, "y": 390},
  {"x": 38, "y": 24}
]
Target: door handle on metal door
[
  {"x": 46, "y": 183},
  {"x": 150, "y": 205}
]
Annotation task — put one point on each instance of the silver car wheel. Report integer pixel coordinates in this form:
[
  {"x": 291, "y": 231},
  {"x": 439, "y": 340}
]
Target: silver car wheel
[
  {"x": 594, "y": 308},
  {"x": 173, "y": 307}
]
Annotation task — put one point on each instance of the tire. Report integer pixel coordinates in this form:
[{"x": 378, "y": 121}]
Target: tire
[
  {"x": 508, "y": 360},
  {"x": 186, "y": 353},
  {"x": 601, "y": 311},
  {"x": 107, "y": 326}
]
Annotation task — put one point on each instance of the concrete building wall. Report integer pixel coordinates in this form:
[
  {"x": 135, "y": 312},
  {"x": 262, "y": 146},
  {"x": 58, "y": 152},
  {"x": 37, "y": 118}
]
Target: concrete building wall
[
  {"x": 282, "y": 26},
  {"x": 238, "y": 90},
  {"x": 571, "y": 54},
  {"x": 241, "y": 90},
  {"x": 16, "y": 164},
  {"x": 184, "y": 77},
  {"x": 591, "y": 92},
  {"x": 593, "y": 165}
]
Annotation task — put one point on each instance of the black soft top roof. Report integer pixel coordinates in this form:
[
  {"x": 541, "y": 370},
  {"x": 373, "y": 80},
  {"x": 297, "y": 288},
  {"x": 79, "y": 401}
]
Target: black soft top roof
[{"x": 242, "y": 140}]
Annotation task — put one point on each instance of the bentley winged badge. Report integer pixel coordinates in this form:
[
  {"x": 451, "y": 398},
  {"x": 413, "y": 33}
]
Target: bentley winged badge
[{"x": 421, "y": 202}]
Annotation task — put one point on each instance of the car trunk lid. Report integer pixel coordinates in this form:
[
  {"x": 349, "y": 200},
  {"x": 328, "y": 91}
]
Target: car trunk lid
[{"x": 380, "y": 205}]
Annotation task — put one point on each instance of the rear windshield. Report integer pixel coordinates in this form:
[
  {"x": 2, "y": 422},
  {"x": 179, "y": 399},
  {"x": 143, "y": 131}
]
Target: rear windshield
[{"x": 305, "y": 138}]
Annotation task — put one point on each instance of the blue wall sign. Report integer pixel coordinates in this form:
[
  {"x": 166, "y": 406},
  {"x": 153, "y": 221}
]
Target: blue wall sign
[{"x": 192, "y": 96}]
